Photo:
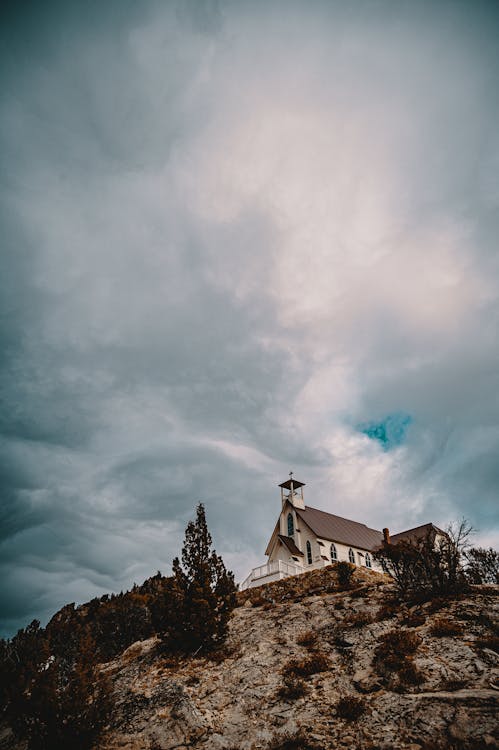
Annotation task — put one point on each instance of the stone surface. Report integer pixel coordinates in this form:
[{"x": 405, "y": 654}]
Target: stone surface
[{"x": 235, "y": 701}]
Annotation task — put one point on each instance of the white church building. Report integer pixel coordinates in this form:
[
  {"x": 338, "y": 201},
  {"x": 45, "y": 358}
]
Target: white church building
[{"x": 305, "y": 538}]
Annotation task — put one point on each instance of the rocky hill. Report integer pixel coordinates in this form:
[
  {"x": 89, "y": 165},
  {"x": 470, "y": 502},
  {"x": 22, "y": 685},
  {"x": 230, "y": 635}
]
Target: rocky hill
[{"x": 309, "y": 666}]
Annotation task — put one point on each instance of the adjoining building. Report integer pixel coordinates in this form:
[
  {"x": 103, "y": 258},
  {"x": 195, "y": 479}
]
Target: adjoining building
[{"x": 305, "y": 538}]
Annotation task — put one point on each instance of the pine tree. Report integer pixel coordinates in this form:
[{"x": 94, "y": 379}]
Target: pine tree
[{"x": 202, "y": 595}]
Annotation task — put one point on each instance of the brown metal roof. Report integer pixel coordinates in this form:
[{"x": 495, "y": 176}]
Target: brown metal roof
[
  {"x": 416, "y": 534},
  {"x": 338, "y": 529},
  {"x": 290, "y": 544}
]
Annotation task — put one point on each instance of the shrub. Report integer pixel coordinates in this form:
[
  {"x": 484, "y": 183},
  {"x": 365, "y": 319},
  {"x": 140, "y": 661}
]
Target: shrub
[
  {"x": 414, "y": 619},
  {"x": 491, "y": 642},
  {"x": 359, "y": 593},
  {"x": 443, "y": 627},
  {"x": 316, "y": 662},
  {"x": 387, "y": 611},
  {"x": 307, "y": 639},
  {"x": 358, "y": 619},
  {"x": 436, "y": 604},
  {"x": 344, "y": 571},
  {"x": 394, "y": 654},
  {"x": 482, "y": 565},
  {"x": 350, "y": 707},
  {"x": 395, "y": 645},
  {"x": 409, "y": 674},
  {"x": 292, "y": 688},
  {"x": 296, "y": 741},
  {"x": 451, "y": 685}
]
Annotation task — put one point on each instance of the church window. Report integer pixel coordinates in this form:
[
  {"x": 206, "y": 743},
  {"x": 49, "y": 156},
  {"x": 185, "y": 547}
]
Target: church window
[
  {"x": 309, "y": 553},
  {"x": 291, "y": 527},
  {"x": 368, "y": 560},
  {"x": 351, "y": 555},
  {"x": 334, "y": 553}
]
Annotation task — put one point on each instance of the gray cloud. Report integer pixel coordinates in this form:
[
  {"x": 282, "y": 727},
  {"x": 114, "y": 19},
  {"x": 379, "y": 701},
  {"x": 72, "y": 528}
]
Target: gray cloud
[{"x": 231, "y": 233}]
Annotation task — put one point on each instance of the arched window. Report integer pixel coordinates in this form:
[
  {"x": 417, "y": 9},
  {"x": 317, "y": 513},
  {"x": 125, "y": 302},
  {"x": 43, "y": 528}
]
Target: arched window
[
  {"x": 368, "y": 560},
  {"x": 334, "y": 554},
  {"x": 291, "y": 526},
  {"x": 309, "y": 553},
  {"x": 351, "y": 555}
]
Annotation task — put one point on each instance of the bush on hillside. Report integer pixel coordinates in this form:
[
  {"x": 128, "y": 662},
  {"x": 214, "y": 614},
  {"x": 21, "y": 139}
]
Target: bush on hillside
[
  {"x": 445, "y": 628},
  {"x": 298, "y": 740},
  {"x": 316, "y": 662},
  {"x": 393, "y": 658},
  {"x": 482, "y": 565},
  {"x": 350, "y": 707},
  {"x": 292, "y": 688},
  {"x": 344, "y": 571}
]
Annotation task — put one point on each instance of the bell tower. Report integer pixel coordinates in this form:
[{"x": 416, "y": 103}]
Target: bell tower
[{"x": 292, "y": 491}]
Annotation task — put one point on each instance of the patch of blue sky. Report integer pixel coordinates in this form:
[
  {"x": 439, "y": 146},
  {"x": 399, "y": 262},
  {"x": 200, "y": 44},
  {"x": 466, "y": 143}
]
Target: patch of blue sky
[{"x": 390, "y": 431}]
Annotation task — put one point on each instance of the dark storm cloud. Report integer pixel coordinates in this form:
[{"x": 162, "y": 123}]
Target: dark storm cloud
[{"x": 231, "y": 233}]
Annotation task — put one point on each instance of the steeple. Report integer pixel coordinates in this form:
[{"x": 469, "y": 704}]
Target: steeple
[{"x": 294, "y": 492}]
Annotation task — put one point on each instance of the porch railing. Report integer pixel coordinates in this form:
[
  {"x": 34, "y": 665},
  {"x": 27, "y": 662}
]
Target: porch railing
[{"x": 278, "y": 568}]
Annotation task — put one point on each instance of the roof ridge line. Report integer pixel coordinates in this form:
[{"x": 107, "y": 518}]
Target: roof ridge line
[{"x": 350, "y": 520}]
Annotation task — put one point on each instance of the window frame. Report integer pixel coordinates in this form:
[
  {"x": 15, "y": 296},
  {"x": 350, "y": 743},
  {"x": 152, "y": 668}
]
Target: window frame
[
  {"x": 309, "y": 552},
  {"x": 333, "y": 552},
  {"x": 368, "y": 561},
  {"x": 351, "y": 556},
  {"x": 291, "y": 524}
]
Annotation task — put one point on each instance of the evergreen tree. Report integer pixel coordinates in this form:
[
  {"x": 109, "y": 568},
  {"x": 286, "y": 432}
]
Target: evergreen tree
[{"x": 202, "y": 595}]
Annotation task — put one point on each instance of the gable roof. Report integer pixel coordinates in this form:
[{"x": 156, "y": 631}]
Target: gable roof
[
  {"x": 290, "y": 544},
  {"x": 338, "y": 529},
  {"x": 419, "y": 532}
]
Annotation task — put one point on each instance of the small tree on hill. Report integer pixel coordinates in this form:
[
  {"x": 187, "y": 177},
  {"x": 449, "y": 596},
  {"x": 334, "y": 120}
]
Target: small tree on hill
[
  {"x": 202, "y": 595},
  {"x": 344, "y": 571}
]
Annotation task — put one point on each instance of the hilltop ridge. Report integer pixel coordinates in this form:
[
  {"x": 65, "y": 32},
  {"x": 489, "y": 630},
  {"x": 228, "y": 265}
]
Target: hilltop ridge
[{"x": 308, "y": 666}]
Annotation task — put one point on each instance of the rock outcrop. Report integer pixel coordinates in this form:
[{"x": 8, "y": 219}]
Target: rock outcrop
[{"x": 306, "y": 665}]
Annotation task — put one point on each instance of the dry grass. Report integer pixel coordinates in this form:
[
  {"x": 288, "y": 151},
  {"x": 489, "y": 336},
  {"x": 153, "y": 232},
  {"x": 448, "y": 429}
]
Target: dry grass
[
  {"x": 450, "y": 686},
  {"x": 387, "y": 611},
  {"x": 414, "y": 619},
  {"x": 292, "y": 688},
  {"x": 296, "y": 741},
  {"x": 308, "y": 639},
  {"x": 316, "y": 662},
  {"x": 445, "y": 628},
  {"x": 358, "y": 619},
  {"x": 350, "y": 707},
  {"x": 393, "y": 659},
  {"x": 491, "y": 642}
]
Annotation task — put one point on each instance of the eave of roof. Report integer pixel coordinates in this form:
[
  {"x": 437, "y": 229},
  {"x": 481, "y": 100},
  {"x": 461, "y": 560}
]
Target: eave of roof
[{"x": 290, "y": 544}]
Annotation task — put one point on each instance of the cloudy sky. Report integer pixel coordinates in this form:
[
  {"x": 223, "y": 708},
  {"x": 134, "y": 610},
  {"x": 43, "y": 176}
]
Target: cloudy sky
[{"x": 240, "y": 238}]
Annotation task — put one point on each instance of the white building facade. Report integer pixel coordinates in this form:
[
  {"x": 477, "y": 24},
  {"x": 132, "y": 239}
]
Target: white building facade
[{"x": 305, "y": 538}]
